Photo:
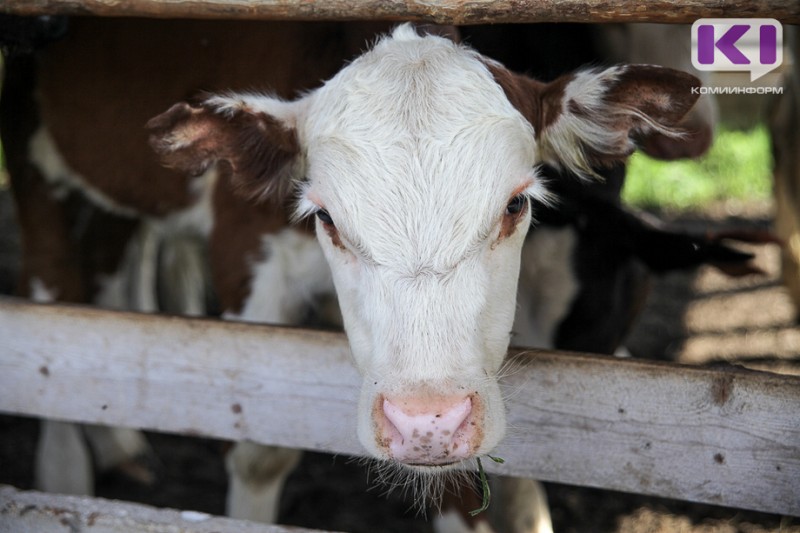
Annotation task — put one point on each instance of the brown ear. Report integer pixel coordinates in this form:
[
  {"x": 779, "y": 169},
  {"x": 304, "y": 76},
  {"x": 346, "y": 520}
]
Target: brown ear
[
  {"x": 662, "y": 94},
  {"x": 256, "y": 149},
  {"x": 591, "y": 118}
]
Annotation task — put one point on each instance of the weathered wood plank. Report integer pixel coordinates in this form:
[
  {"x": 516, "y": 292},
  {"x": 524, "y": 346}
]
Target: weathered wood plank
[
  {"x": 436, "y": 11},
  {"x": 58, "y": 513},
  {"x": 725, "y": 436}
]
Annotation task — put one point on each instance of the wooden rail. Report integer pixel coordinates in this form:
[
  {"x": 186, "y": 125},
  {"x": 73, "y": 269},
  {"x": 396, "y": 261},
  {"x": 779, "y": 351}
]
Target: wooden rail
[
  {"x": 435, "y": 11},
  {"x": 726, "y": 436},
  {"x": 58, "y": 513}
]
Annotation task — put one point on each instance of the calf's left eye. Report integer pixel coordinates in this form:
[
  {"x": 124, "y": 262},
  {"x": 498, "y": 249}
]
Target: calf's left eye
[{"x": 516, "y": 205}]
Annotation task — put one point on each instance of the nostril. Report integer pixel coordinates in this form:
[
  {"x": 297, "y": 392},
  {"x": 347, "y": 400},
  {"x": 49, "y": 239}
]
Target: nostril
[
  {"x": 429, "y": 432},
  {"x": 447, "y": 419}
]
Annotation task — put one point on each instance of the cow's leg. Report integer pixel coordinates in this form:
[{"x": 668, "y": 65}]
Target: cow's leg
[
  {"x": 125, "y": 450},
  {"x": 63, "y": 461},
  {"x": 518, "y": 506},
  {"x": 150, "y": 259},
  {"x": 283, "y": 272},
  {"x": 256, "y": 476},
  {"x": 457, "y": 503},
  {"x": 183, "y": 276}
]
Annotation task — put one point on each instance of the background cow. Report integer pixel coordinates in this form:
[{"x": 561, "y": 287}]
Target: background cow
[{"x": 72, "y": 143}]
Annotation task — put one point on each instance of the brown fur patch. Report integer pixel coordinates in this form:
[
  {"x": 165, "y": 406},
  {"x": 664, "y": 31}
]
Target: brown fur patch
[
  {"x": 254, "y": 146},
  {"x": 66, "y": 261},
  {"x": 235, "y": 243},
  {"x": 540, "y": 103},
  {"x": 663, "y": 94},
  {"x": 333, "y": 233}
]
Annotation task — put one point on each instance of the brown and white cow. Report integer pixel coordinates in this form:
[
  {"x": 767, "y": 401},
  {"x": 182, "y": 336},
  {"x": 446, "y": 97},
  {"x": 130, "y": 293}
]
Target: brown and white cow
[{"x": 418, "y": 161}]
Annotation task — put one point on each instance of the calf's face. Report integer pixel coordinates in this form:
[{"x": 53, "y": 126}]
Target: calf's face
[{"x": 419, "y": 162}]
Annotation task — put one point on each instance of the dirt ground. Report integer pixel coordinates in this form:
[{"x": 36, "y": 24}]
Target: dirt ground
[{"x": 693, "y": 317}]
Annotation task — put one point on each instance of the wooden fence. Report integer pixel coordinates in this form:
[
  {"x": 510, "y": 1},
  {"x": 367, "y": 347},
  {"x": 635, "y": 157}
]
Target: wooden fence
[
  {"x": 726, "y": 436},
  {"x": 436, "y": 11},
  {"x": 56, "y": 513}
]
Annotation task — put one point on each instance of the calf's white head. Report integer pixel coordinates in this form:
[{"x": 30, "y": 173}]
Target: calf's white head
[{"x": 419, "y": 161}]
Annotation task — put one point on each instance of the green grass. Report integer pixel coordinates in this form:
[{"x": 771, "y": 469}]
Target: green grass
[{"x": 738, "y": 166}]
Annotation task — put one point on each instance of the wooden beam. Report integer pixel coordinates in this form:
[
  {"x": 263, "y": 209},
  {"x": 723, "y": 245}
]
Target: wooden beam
[
  {"x": 434, "y": 11},
  {"x": 726, "y": 436},
  {"x": 58, "y": 513}
]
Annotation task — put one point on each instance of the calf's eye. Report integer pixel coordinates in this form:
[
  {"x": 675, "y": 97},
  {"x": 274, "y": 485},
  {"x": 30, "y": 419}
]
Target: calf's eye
[
  {"x": 516, "y": 205},
  {"x": 324, "y": 217},
  {"x": 515, "y": 209}
]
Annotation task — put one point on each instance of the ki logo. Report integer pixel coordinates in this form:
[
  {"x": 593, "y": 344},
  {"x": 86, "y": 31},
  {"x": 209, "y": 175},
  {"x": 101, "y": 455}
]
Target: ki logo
[{"x": 753, "y": 45}]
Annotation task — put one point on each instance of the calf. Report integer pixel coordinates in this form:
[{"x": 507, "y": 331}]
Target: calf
[
  {"x": 396, "y": 230},
  {"x": 417, "y": 161}
]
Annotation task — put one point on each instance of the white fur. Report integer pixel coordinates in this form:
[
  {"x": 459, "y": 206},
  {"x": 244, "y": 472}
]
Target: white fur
[
  {"x": 562, "y": 143},
  {"x": 254, "y": 102},
  {"x": 519, "y": 506},
  {"x": 415, "y": 152},
  {"x": 198, "y": 218},
  {"x": 184, "y": 277}
]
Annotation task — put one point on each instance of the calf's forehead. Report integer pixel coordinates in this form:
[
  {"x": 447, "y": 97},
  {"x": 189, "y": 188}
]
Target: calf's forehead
[{"x": 420, "y": 127}]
